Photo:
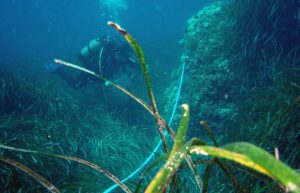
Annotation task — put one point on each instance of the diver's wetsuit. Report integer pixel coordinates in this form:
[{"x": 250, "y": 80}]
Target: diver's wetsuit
[{"x": 104, "y": 56}]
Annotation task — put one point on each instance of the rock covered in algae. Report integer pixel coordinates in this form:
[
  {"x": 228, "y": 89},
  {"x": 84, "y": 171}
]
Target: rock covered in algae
[{"x": 207, "y": 64}]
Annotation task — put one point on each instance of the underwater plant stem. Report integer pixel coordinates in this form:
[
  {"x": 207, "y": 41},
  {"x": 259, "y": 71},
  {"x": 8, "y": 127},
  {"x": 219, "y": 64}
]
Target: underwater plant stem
[
  {"x": 174, "y": 183},
  {"x": 134, "y": 97},
  {"x": 210, "y": 133},
  {"x": 75, "y": 159},
  {"x": 206, "y": 176},
  {"x": 163, "y": 138},
  {"x": 182, "y": 130},
  {"x": 137, "y": 99},
  {"x": 32, "y": 173},
  {"x": 139, "y": 52},
  {"x": 163, "y": 176},
  {"x": 192, "y": 167},
  {"x": 178, "y": 153},
  {"x": 221, "y": 165},
  {"x": 230, "y": 176}
]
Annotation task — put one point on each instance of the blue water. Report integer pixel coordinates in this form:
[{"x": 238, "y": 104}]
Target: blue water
[{"x": 38, "y": 31}]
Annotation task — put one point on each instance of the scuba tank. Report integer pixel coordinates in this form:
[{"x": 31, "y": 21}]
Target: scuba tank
[{"x": 92, "y": 48}]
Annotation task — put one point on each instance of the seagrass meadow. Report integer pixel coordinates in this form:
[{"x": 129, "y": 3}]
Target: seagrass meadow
[
  {"x": 236, "y": 128},
  {"x": 34, "y": 117}
]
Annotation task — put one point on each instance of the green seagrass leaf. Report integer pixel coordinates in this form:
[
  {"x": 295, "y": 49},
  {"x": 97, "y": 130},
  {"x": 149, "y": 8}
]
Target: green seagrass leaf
[{"x": 257, "y": 159}]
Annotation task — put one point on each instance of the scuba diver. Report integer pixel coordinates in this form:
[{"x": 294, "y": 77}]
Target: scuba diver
[{"x": 104, "y": 55}]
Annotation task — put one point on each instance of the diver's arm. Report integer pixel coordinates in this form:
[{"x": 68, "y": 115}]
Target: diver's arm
[
  {"x": 74, "y": 82},
  {"x": 80, "y": 81}
]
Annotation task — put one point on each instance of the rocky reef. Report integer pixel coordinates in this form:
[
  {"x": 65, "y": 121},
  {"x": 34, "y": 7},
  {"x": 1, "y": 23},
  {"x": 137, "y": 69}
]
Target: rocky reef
[{"x": 243, "y": 64}]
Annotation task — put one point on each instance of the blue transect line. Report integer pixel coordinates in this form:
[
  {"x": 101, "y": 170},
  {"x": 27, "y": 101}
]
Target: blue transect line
[{"x": 160, "y": 142}]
